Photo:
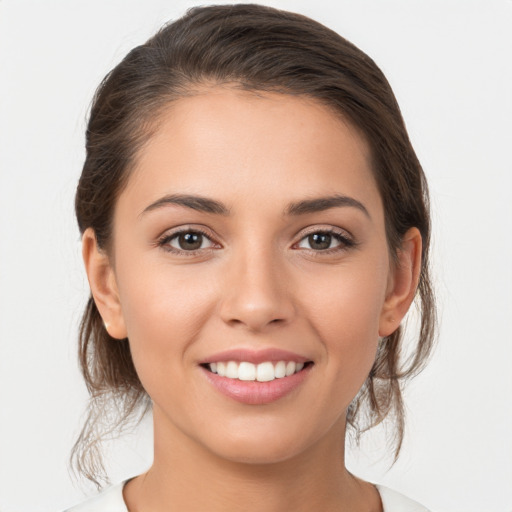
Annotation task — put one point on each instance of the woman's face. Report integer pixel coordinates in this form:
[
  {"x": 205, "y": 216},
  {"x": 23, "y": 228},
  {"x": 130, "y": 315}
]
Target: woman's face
[{"x": 251, "y": 233}]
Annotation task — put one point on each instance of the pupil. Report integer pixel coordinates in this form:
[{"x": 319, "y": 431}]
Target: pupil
[
  {"x": 320, "y": 241},
  {"x": 190, "y": 241}
]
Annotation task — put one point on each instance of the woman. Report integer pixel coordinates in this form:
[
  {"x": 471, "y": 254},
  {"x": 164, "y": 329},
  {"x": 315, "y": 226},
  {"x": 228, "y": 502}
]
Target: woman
[{"x": 255, "y": 227}]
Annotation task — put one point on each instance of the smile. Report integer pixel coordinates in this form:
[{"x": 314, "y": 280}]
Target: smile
[
  {"x": 256, "y": 383},
  {"x": 263, "y": 372}
]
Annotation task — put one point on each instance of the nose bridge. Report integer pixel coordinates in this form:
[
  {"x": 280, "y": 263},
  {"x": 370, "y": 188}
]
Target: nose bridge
[{"x": 256, "y": 292}]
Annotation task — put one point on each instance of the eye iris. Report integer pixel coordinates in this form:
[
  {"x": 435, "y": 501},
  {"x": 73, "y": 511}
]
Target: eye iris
[
  {"x": 320, "y": 241},
  {"x": 190, "y": 241}
]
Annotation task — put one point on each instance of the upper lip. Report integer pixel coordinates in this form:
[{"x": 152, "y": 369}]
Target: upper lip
[{"x": 255, "y": 356}]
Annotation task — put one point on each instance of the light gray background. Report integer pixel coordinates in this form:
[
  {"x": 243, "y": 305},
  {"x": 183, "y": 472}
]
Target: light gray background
[{"x": 450, "y": 65}]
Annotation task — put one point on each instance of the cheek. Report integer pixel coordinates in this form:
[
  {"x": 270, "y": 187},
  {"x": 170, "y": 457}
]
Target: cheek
[
  {"x": 158, "y": 297},
  {"x": 164, "y": 311},
  {"x": 345, "y": 311},
  {"x": 346, "y": 302}
]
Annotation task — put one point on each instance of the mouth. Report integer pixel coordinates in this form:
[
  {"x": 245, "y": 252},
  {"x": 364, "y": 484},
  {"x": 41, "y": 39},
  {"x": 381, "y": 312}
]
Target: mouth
[
  {"x": 265, "y": 371},
  {"x": 256, "y": 377}
]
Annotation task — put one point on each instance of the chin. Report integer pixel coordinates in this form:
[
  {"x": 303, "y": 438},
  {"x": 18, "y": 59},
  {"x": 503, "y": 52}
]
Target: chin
[
  {"x": 259, "y": 453},
  {"x": 260, "y": 446}
]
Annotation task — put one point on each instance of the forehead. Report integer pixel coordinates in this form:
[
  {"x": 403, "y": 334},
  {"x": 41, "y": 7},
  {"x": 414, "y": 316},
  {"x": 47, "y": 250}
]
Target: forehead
[{"x": 237, "y": 144}]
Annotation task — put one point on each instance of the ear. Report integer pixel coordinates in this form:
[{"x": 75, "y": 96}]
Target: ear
[
  {"x": 402, "y": 283},
  {"x": 103, "y": 285}
]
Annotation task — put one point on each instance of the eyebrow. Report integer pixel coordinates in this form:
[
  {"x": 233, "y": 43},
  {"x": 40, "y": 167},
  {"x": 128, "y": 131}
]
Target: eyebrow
[
  {"x": 199, "y": 203},
  {"x": 324, "y": 203},
  {"x": 208, "y": 205}
]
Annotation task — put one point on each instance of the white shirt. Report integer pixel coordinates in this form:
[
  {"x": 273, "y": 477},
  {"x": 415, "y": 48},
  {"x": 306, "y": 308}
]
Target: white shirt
[{"x": 111, "y": 500}]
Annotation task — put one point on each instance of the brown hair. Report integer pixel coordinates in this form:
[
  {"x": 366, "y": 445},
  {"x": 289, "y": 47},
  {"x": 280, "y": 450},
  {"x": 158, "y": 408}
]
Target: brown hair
[{"x": 261, "y": 49}]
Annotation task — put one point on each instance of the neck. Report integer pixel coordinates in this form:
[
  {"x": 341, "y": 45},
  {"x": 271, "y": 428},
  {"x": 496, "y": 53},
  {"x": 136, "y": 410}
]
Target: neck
[{"x": 190, "y": 477}]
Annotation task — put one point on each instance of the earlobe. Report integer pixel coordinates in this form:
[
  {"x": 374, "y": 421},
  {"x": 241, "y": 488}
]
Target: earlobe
[
  {"x": 402, "y": 283},
  {"x": 103, "y": 285}
]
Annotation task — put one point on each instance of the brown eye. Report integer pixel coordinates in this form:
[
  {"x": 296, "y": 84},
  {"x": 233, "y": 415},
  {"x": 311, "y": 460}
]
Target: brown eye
[
  {"x": 324, "y": 241},
  {"x": 320, "y": 241},
  {"x": 188, "y": 241}
]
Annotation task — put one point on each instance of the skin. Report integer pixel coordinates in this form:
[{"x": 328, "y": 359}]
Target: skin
[{"x": 256, "y": 282}]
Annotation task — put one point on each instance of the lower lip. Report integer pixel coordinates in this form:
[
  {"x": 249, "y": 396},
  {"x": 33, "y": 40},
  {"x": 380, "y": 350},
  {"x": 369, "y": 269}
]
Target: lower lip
[{"x": 254, "y": 392}]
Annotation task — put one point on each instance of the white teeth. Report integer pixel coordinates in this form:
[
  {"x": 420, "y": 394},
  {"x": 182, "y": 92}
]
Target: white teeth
[
  {"x": 263, "y": 372},
  {"x": 221, "y": 369},
  {"x": 246, "y": 371},
  {"x": 232, "y": 370},
  {"x": 280, "y": 370}
]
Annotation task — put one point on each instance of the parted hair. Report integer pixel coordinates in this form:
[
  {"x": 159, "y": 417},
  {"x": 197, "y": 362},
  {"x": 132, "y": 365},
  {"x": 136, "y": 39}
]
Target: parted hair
[{"x": 254, "y": 48}]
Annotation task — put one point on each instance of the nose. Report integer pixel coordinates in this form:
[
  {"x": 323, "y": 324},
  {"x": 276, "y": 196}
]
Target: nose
[{"x": 257, "y": 292}]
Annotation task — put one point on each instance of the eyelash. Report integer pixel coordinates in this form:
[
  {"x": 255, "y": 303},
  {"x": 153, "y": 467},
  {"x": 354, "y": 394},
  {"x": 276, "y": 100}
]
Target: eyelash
[
  {"x": 164, "y": 241},
  {"x": 345, "y": 241}
]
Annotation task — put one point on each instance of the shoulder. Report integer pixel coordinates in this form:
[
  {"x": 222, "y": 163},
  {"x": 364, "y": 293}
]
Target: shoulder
[
  {"x": 393, "y": 501},
  {"x": 110, "y": 500}
]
